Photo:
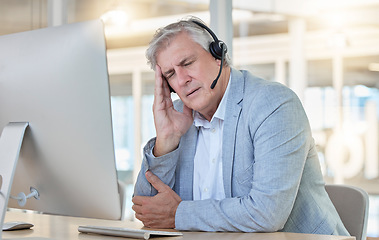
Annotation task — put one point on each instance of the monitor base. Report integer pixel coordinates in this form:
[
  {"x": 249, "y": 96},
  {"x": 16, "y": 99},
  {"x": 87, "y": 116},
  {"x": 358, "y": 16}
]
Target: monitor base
[{"x": 10, "y": 145}]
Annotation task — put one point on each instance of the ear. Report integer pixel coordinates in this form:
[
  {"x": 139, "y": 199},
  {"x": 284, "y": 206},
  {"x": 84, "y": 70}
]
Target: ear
[{"x": 218, "y": 61}]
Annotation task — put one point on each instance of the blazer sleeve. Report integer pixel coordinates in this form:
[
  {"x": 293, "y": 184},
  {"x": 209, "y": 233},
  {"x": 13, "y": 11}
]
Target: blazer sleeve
[
  {"x": 163, "y": 167},
  {"x": 278, "y": 133}
]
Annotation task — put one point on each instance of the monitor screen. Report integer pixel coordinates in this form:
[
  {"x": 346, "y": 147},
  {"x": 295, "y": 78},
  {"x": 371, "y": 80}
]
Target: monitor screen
[{"x": 56, "y": 79}]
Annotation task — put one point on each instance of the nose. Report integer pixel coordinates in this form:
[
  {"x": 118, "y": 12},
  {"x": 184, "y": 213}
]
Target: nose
[{"x": 183, "y": 76}]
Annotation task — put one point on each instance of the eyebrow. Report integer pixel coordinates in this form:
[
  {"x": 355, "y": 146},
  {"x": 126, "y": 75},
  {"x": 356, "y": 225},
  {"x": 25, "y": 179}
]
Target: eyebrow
[{"x": 181, "y": 63}]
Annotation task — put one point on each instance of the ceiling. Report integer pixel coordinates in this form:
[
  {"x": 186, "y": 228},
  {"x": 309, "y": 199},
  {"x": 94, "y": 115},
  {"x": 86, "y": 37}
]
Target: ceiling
[
  {"x": 262, "y": 19},
  {"x": 24, "y": 15}
]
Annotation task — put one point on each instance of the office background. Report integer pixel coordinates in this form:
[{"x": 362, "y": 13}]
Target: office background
[{"x": 326, "y": 51}]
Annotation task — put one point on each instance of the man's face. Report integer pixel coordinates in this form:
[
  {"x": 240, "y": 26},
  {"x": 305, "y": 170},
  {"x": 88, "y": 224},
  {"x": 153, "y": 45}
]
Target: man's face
[{"x": 190, "y": 71}]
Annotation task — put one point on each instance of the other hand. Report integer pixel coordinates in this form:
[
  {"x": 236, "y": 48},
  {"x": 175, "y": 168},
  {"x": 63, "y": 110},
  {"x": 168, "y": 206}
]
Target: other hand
[{"x": 157, "y": 211}]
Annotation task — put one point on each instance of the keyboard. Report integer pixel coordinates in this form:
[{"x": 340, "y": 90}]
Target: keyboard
[{"x": 126, "y": 232}]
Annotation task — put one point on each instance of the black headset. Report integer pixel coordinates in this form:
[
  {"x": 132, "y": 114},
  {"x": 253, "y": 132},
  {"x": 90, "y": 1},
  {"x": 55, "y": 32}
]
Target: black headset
[{"x": 217, "y": 48}]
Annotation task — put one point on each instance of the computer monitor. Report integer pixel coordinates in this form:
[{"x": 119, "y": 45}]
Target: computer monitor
[{"x": 56, "y": 79}]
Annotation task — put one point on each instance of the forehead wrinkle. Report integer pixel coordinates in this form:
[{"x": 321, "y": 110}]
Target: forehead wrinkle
[
  {"x": 185, "y": 59},
  {"x": 181, "y": 63}
]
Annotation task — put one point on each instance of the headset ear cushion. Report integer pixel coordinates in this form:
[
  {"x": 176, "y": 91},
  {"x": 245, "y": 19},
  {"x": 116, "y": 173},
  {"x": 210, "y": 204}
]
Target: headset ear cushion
[{"x": 216, "y": 50}]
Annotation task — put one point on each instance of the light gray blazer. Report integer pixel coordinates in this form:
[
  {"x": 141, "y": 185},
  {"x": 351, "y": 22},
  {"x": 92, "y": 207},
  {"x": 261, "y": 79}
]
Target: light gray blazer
[{"x": 271, "y": 171}]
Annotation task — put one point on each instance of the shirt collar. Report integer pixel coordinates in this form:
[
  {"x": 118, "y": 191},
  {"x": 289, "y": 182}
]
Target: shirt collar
[{"x": 200, "y": 121}]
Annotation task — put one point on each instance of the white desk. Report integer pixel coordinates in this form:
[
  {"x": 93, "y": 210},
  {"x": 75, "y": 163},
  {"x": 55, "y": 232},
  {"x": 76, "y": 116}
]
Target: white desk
[{"x": 66, "y": 228}]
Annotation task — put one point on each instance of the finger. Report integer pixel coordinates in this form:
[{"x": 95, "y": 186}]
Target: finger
[
  {"x": 150, "y": 221},
  {"x": 139, "y": 200},
  {"x": 155, "y": 181},
  {"x": 137, "y": 209},
  {"x": 146, "y": 211},
  {"x": 161, "y": 81},
  {"x": 146, "y": 221},
  {"x": 166, "y": 89},
  {"x": 158, "y": 76},
  {"x": 142, "y": 218},
  {"x": 162, "y": 95},
  {"x": 158, "y": 84},
  {"x": 138, "y": 216},
  {"x": 135, "y": 200}
]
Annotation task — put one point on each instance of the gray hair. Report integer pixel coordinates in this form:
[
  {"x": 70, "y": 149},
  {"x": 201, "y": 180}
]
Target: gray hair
[{"x": 163, "y": 37}]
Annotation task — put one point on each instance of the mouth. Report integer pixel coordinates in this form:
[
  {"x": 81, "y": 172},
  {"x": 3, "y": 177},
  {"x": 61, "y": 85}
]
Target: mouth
[{"x": 190, "y": 93}]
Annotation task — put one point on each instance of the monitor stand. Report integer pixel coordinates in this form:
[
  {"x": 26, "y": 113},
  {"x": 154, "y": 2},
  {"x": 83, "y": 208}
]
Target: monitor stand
[{"x": 10, "y": 145}]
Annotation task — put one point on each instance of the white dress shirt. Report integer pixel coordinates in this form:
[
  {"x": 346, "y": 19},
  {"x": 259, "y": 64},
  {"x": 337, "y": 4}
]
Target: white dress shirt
[{"x": 207, "y": 180}]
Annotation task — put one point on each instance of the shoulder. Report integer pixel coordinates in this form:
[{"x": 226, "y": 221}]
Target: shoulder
[
  {"x": 250, "y": 86},
  {"x": 260, "y": 92}
]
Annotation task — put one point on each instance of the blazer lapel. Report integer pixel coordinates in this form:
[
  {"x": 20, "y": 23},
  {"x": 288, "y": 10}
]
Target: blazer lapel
[
  {"x": 233, "y": 111},
  {"x": 185, "y": 176}
]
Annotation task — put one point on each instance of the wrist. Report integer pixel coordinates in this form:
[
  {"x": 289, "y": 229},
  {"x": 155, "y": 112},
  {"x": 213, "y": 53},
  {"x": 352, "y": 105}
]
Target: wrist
[{"x": 164, "y": 146}]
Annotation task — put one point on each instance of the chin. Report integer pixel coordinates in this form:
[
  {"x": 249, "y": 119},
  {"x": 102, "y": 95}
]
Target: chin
[{"x": 198, "y": 108}]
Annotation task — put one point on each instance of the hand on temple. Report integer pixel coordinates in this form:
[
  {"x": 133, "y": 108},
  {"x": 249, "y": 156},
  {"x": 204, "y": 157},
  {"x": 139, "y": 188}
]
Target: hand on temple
[{"x": 170, "y": 124}]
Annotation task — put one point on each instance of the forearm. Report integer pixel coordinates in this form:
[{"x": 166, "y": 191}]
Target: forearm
[
  {"x": 231, "y": 214},
  {"x": 163, "y": 167}
]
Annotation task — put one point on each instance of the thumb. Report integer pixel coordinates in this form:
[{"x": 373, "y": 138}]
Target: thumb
[{"x": 155, "y": 181}]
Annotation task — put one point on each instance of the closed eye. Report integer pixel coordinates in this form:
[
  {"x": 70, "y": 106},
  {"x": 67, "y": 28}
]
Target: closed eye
[
  {"x": 188, "y": 63},
  {"x": 184, "y": 63},
  {"x": 169, "y": 74}
]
